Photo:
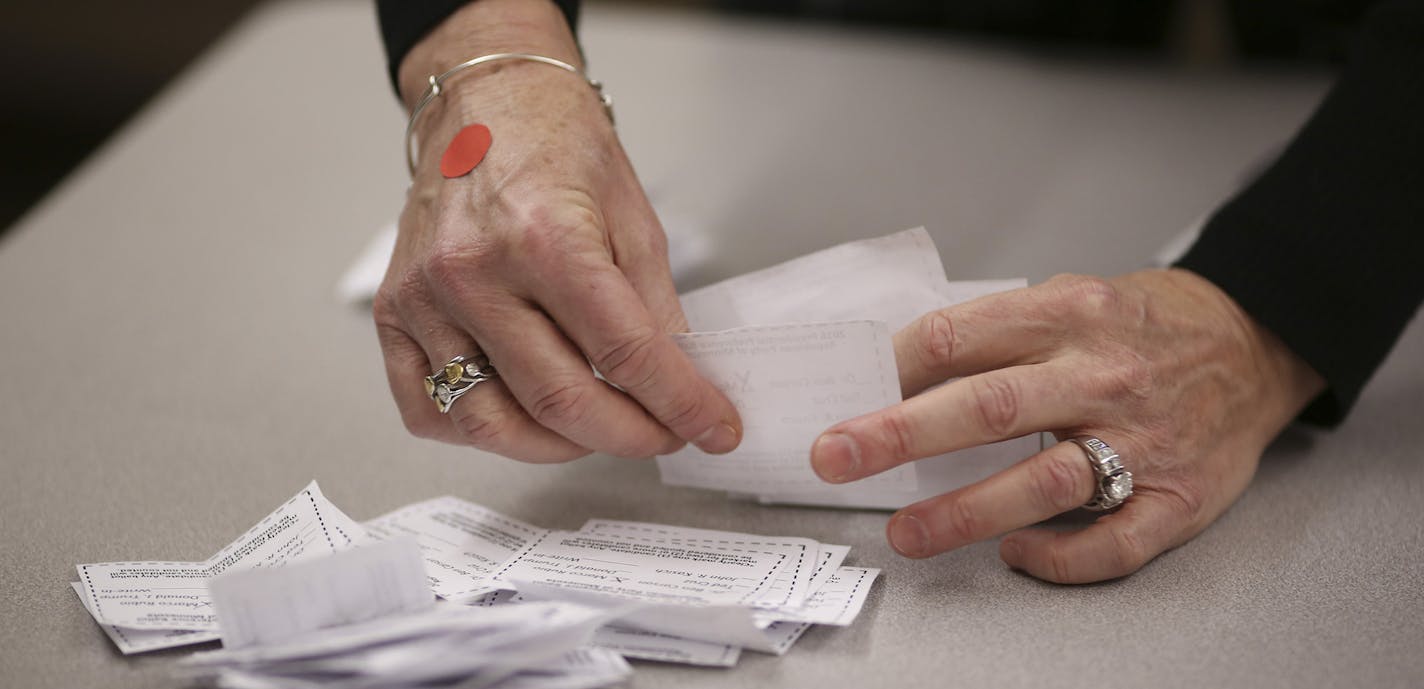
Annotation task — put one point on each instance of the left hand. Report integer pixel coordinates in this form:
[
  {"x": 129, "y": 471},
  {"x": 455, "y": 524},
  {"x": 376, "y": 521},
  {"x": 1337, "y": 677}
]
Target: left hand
[{"x": 1160, "y": 364}]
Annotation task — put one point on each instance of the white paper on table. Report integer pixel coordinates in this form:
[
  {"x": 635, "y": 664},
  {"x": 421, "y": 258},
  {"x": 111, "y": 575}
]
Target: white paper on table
[
  {"x": 174, "y": 595},
  {"x": 584, "y": 668},
  {"x": 837, "y": 603},
  {"x": 780, "y": 636},
  {"x": 130, "y": 641},
  {"x": 665, "y": 648},
  {"x": 792, "y": 584},
  {"x": 789, "y": 382},
  {"x": 691, "y": 575},
  {"x": 269, "y": 605},
  {"x": 895, "y": 279},
  {"x": 446, "y": 643},
  {"x": 636, "y": 643},
  {"x": 463, "y": 543}
]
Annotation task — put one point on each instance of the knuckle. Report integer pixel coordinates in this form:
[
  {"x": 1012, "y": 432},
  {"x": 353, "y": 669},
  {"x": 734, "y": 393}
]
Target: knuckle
[
  {"x": 963, "y": 524},
  {"x": 1057, "y": 483},
  {"x": 383, "y": 308},
  {"x": 1186, "y": 498},
  {"x": 630, "y": 362},
  {"x": 483, "y": 430},
  {"x": 559, "y": 405},
  {"x": 1089, "y": 296},
  {"x": 996, "y": 404},
  {"x": 545, "y": 229},
  {"x": 1059, "y": 565},
  {"x": 936, "y": 340},
  {"x": 1132, "y": 553},
  {"x": 896, "y": 435},
  {"x": 449, "y": 267},
  {"x": 683, "y": 411},
  {"x": 410, "y": 289},
  {"x": 389, "y": 334}
]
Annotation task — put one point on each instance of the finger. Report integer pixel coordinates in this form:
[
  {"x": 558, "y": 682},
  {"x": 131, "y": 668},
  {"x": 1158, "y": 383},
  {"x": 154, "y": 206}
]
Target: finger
[
  {"x": 1116, "y": 545},
  {"x": 554, "y": 384},
  {"x": 1047, "y": 484},
  {"x": 602, "y": 313},
  {"x": 968, "y": 412},
  {"x": 490, "y": 418},
  {"x": 994, "y": 331},
  {"x": 487, "y": 417},
  {"x": 644, "y": 262},
  {"x": 406, "y": 368}
]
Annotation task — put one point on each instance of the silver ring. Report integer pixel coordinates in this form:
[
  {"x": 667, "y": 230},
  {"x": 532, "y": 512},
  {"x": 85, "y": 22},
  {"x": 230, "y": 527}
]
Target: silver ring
[
  {"x": 457, "y": 377},
  {"x": 1113, "y": 483}
]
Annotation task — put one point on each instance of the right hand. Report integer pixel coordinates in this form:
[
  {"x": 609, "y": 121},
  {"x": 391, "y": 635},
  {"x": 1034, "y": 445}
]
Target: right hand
[{"x": 547, "y": 257}]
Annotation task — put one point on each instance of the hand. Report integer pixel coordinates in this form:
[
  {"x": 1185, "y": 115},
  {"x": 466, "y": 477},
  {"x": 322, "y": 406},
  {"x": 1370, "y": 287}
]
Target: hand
[
  {"x": 1160, "y": 364},
  {"x": 546, "y": 257}
]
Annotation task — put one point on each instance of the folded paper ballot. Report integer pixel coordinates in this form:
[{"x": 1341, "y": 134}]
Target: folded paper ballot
[
  {"x": 309, "y": 597},
  {"x": 804, "y": 344}
]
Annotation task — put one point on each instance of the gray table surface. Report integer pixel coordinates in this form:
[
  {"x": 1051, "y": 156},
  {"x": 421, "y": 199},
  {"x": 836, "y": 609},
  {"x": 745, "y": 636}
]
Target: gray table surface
[{"x": 175, "y": 365}]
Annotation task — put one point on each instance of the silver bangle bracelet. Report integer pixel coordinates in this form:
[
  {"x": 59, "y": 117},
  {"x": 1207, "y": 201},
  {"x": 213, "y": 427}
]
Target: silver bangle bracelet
[{"x": 436, "y": 82}]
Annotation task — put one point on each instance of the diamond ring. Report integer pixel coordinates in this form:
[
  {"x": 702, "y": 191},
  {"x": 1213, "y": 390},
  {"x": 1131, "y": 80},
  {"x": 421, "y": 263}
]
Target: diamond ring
[
  {"x": 1113, "y": 481},
  {"x": 459, "y": 376}
]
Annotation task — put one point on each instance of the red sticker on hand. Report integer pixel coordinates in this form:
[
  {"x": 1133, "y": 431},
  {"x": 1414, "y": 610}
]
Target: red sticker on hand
[{"x": 466, "y": 151}]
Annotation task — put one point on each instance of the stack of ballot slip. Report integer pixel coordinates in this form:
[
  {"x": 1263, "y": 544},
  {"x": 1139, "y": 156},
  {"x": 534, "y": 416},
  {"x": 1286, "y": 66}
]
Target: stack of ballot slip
[
  {"x": 808, "y": 343},
  {"x": 701, "y": 596},
  {"x": 309, "y": 597}
]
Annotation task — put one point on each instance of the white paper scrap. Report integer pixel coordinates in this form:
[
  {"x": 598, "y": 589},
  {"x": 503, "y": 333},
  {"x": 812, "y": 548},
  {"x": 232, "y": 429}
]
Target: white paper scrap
[
  {"x": 894, "y": 279},
  {"x": 272, "y": 604},
  {"x": 789, "y": 382},
  {"x": 463, "y": 543},
  {"x": 174, "y": 595}
]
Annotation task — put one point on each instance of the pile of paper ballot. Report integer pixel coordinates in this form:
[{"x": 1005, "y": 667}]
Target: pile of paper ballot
[{"x": 310, "y": 597}]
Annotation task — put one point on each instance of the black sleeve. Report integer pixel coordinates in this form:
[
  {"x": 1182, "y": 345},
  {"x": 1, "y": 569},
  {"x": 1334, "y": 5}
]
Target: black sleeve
[
  {"x": 405, "y": 22},
  {"x": 1326, "y": 248}
]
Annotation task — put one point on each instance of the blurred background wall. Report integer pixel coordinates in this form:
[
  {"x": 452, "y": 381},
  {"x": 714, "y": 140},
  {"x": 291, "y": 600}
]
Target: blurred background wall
[{"x": 74, "y": 71}]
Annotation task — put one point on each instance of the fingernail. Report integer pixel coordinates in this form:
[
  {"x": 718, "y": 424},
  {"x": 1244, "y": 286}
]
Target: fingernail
[
  {"x": 908, "y": 535},
  {"x": 835, "y": 457},
  {"x": 719, "y": 439}
]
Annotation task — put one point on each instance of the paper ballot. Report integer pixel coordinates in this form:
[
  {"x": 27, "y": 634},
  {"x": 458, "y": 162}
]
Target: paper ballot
[
  {"x": 740, "y": 326},
  {"x": 311, "y": 598},
  {"x": 789, "y": 382},
  {"x": 174, "y": 595},
  {"x": 463, "y": 543}
]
